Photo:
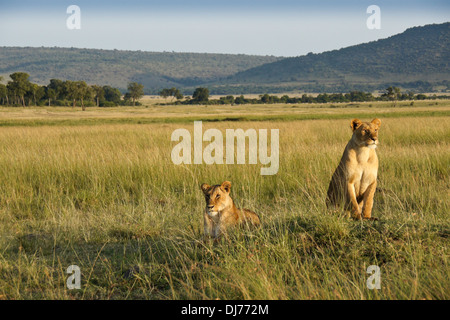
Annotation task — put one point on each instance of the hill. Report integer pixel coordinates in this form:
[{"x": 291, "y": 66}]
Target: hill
[
  {"x": 416, "y": 59},
  {"x": 155, "y": 70},
  {"x": 417, "y": 56}
]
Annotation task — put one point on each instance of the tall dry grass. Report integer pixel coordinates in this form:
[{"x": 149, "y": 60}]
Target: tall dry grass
[{"x": 109, "y": 199}]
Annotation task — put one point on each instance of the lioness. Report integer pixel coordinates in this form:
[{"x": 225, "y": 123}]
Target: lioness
[
  {"x": 355, "y": 179},
  {"x": 221, "y": 213}
]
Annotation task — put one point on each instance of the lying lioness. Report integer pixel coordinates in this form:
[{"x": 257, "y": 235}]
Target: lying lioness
[
  {"x": 221, "y": 213},
  {"x": 355, "y": 179}
]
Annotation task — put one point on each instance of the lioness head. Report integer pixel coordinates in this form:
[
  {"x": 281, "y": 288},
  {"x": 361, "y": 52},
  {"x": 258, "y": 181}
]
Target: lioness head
[
  {"x": 366, "y": 133},
  {"x": 217, "y": 197}
]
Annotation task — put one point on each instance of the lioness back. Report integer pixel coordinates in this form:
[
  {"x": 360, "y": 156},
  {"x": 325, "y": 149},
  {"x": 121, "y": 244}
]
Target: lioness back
[{"x": 250, "y": 217}]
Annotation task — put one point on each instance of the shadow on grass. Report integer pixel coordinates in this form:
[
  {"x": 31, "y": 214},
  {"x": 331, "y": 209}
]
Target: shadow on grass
[{"x": 155, "y": 265}]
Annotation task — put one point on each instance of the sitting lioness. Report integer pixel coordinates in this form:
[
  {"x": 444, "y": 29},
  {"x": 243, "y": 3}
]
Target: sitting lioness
[
  {"x": 221, "y": 213},
  {"x": 355, "y": 179}
]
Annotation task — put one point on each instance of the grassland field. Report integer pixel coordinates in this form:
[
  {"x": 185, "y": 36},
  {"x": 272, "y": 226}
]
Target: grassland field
[{"x": 98, "y": 189}]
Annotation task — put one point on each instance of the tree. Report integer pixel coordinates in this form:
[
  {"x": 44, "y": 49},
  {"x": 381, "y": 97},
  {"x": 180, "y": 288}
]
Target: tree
[
  {"x": 71, "y": 91},
  {"x": 77, "y": 90},
  {"x": 112, "y": 94},
  {"x": 420, "y": 96},
  {"x": 58, "y": 87},
  {"x": 323, "y": 98},
  {"x": 99, "y": 93},
  {"x": 359, "y": 96},
  {"x": 83, "y": 92},
  {"x": 19, "y": 85},
  {"x": 136, "y": 91},
  {"x": 306, "y": 99},
  {"x": 265, "y": 98},
  {"x": 172, "y": 92},
  {"x": 164, "y": 93},
  {"x": 392, "y": 93},
  {"x": 3, "y": 94},
  {"x": 240, "y": 100},
  {"x": 178, "y": 95},
  {"x": 127, "y": 98},
  {"x": 201, "y": 95},
  {"x": 227, "y": 100},
  {"x": 410, "y": 95},
  {"x": 50, "y": 94},
  {"x": 35, "y": 92}
]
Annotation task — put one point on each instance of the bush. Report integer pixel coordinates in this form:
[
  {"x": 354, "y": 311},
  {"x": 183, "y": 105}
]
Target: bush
[{"x": 108, "y": 104}]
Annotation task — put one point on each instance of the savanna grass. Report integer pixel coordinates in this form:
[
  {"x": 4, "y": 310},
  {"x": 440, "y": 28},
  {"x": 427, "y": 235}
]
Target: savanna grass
[{"x": 109, "y": 199}]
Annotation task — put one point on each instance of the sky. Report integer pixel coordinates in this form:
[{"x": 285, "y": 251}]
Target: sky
[{"x": 261, "y": 27}]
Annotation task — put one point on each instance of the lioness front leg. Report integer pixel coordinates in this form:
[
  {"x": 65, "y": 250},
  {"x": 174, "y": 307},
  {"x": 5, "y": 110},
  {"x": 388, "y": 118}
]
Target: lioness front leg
[
  {"x": 208, "y": 227},
  {"x": 356, "y": 212},
  {"x": 368, "y": 201}
]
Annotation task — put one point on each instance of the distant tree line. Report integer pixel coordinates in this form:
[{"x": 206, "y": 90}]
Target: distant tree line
[
  {"x": 201, "y": 96},
  {"x": 19, "y": 91},
  {"x": 319, "y": 87}
]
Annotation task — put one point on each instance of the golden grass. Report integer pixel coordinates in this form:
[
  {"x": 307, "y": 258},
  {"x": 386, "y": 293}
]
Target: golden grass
[{"x": 109, "y": 199}]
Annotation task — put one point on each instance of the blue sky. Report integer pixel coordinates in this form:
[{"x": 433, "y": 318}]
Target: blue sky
[{"x": 263, "y": 27}]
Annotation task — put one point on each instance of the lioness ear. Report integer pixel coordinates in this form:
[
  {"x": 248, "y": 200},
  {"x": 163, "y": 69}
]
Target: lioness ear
[
  {"x": 205, "y": 187},
  {"x": 226, "y": 186},
  {"x": 355, "y": 124},
  {"x": 376, "y": 122}
]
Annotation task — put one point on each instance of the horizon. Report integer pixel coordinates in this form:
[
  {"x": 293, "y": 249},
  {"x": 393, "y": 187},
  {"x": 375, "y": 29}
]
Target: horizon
[{"x": 283, "y": 28}]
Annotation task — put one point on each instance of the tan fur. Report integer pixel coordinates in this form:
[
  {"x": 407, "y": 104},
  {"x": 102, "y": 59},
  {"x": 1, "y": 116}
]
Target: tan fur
[
  {"x": 355, "y": 179},
  {"x": 221, "y": 213}
]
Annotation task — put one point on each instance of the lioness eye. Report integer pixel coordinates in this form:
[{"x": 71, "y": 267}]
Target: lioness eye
[{"x": 218, "y": 196}]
